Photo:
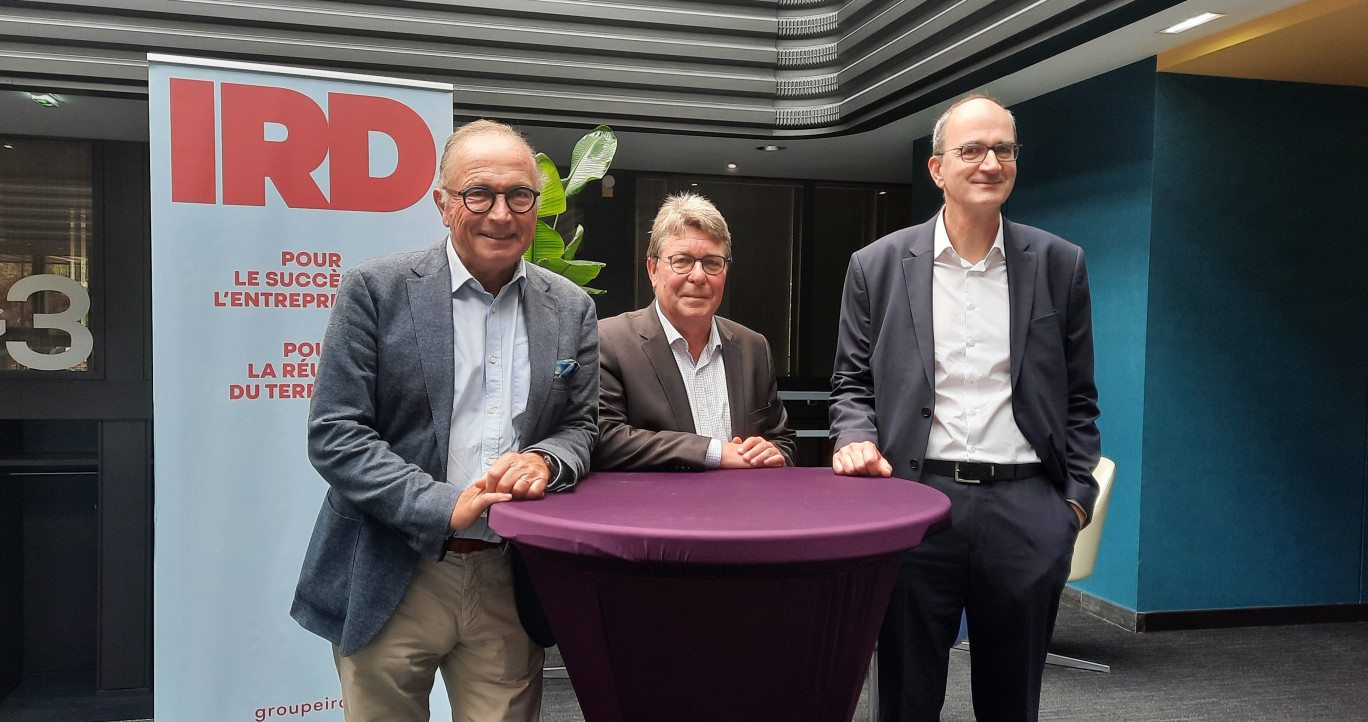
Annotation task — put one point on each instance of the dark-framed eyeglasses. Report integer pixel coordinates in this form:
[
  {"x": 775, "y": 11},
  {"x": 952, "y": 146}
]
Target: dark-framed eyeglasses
[
  {"x": 976, "y": 152},
  {"x": 682, "y": 263},
  {"x": 480, "y": 199}
]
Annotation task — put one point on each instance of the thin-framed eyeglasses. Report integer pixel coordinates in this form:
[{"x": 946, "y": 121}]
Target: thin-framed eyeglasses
[
  {"x": 682, "y": 263},
  {"x": 976, "y": 152},
  {"x": 480, "y": 199}
]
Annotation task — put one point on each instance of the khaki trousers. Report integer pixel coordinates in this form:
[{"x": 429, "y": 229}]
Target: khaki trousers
[{"x": 458, "y": 616}]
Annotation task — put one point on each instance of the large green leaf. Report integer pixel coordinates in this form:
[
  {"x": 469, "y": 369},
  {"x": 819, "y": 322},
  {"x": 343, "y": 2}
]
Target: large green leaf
[
  {"x": 593, "y": 154},
  {"x": 547, "y": 244},
  {"x": 581, "y": 272},
  {"x": 553, "y": 192},
  {"x": 573, "y": 246}
]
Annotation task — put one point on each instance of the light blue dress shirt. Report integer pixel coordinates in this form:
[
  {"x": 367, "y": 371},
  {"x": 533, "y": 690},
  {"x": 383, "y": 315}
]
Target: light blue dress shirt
[{"x": 492, "y": 376}]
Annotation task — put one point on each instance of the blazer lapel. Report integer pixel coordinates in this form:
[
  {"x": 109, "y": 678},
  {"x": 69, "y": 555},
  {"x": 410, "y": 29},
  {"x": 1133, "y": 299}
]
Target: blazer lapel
[
  {"x": 657, "y": 351},
  {"x": 917, "y": 269},
  {"x": 1021, "y": 285},
  {"x": 430, "y": 306},
  {"x": 542, "y": 316},
  {"x": 736, "y": 370}
]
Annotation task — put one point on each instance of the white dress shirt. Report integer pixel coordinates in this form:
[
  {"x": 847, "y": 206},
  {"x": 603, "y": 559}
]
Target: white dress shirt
[
  {"x": 492, "y": 376},
  {"x": 706, "y": 384},
  {"x": 973, "y": 419}
]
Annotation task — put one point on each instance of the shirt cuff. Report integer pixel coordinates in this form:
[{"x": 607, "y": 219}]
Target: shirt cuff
[{"x": 713, "y": 458}]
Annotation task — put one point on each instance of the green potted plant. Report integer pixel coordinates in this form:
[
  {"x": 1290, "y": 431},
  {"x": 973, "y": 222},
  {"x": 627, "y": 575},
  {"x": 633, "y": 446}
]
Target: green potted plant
[{"x": 589, "y": 162}]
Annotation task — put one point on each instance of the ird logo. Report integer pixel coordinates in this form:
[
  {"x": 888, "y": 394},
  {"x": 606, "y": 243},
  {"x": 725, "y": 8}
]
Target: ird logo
[{"x": 340, "y": 135}]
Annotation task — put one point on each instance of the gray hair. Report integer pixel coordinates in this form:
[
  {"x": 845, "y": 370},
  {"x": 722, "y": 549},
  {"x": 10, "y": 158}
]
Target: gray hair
[
  {"x": 938, "y": 134},
  {"x": 688, "y": 210}
]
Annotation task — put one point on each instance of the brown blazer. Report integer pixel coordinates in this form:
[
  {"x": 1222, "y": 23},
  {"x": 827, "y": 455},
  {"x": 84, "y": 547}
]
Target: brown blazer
[{"x": 645, "y": 422}]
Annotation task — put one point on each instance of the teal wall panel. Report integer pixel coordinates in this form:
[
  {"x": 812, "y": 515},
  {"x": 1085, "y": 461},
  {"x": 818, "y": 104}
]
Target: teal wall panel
[
  {"x": 1226, "y": 227},
  {"x": 1085, "y": 174},
  {"x": 1256, "y": 380}
]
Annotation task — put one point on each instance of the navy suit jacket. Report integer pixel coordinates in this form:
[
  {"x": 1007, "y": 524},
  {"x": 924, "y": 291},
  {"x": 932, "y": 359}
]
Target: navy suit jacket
[
  {"x": 883, "y": 384},
  {"x": 380, "y": 424}
]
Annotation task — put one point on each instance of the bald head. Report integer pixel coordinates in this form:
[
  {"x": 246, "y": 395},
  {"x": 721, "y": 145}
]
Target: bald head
[
  {"x": 452, "y": 155},
  {"x": 938, "y": 133}
]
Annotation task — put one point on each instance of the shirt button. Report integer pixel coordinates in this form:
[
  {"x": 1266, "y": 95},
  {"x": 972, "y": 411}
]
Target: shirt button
[
  {"x": 493, "y": 409},
  {"x": 971, "y": 342},
  {"x": 489, "y": 460},
  {"x": 493, "y": 359},
  {"x": 972, "y": 307},
  {"x": 973, "y": 412},
  {"x": 973, "y": 449}
]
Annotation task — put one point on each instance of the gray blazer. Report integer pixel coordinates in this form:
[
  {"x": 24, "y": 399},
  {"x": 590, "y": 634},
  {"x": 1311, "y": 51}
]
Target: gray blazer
[
  {"x": 379, "y": 426},
  {"x": 883, "y": 386},
  {"x": 645, "y": 421}
]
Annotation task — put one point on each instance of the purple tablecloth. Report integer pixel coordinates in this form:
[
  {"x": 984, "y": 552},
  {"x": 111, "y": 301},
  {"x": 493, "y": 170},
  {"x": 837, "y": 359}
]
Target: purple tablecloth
[{"x": 746, "y": 595}]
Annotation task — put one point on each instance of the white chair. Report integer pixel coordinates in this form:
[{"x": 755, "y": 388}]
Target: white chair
[
  {"x": 1084, "y": 558},
  {"x": 1085, "y": 553}
]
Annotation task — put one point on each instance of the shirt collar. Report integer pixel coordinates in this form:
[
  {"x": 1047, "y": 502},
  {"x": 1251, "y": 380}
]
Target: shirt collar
[
  {"x": 672, "y": 334},
  {"x": 460, "y": 275},
  {"x": 942, "y": 240}
]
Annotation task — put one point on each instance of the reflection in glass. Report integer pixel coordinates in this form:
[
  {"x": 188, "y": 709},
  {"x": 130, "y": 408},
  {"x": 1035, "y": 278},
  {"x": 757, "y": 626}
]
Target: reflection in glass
[{"x": 45, "y": 230}]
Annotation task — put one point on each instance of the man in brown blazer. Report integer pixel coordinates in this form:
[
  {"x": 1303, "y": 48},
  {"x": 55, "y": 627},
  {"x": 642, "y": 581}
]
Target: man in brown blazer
[{"x": 681, "y": 388}]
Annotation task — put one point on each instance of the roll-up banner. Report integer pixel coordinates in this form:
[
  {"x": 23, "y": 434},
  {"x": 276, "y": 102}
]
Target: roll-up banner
[{"x": 268, "y": 183}]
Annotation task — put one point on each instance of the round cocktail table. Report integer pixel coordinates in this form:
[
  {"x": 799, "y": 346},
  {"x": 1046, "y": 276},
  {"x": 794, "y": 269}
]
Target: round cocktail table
[{"x": 723, "y": 595}]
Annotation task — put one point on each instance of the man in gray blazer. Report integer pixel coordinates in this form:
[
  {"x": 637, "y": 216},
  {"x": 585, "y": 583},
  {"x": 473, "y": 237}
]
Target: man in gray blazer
[
  {"x": 965, "y": 361},
  {"x": 682, "y": 388},
  {"x": 451, "y": 378}
]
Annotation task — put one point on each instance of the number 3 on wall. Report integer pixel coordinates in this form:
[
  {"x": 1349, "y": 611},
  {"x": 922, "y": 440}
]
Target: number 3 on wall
[{"x": 68, "y": 321}]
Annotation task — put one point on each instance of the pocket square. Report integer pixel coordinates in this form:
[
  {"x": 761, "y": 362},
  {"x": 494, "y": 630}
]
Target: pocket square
[{"x": 566, "y": 368}]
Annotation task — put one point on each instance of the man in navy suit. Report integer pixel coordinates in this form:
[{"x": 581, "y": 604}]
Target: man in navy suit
[
  {"x": 965, "y": 361},
  {"x": 452, "y": 378}
]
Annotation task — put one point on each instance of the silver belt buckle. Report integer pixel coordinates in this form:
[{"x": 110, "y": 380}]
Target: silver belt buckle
[{"x": 963, "y": 481}]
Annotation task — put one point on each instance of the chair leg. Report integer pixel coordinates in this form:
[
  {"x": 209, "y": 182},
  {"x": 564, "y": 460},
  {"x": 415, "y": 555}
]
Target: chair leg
[
  {"x": 1074, "y": 663},
  {"x": 1059, "y": 660}
]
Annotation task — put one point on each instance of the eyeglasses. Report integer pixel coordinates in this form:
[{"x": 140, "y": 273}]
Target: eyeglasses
[
  {"x": 479, "y": 199},
  {"x": 976, "y": 152},
  {"x": 682, "y": 263}
]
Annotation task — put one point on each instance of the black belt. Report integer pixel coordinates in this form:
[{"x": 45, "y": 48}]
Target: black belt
[
  {"x": 466, "y": 546},
  {"x": 973, "y": 472}
]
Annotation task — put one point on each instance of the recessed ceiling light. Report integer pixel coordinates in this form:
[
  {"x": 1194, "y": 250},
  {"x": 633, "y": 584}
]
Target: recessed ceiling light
[
  {"x": 1192, "y": 22},
  {"x": 47, "y": 100},
  {"x": 770, "y": 148},
  {"x": 883, "y": 193},
  {"x": 731, "y": 166},
  {"x": 9, "y": 146}
]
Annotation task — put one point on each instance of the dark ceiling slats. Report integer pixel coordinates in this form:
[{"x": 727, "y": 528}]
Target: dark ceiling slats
[{"x": 788, "y": 67}]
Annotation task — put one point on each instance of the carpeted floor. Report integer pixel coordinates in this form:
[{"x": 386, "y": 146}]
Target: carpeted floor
[
  {"x": 1306, "y": 673},
  {"x": 69, "y": 697},
  {"x": 1297, "y": 673}
]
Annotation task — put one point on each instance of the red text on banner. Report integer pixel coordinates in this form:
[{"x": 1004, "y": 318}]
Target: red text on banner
[{"x": 340, "y": 134}]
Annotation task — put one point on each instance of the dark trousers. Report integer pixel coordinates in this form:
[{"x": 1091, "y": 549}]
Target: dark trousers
[{"x": 1003, "y": 563}]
